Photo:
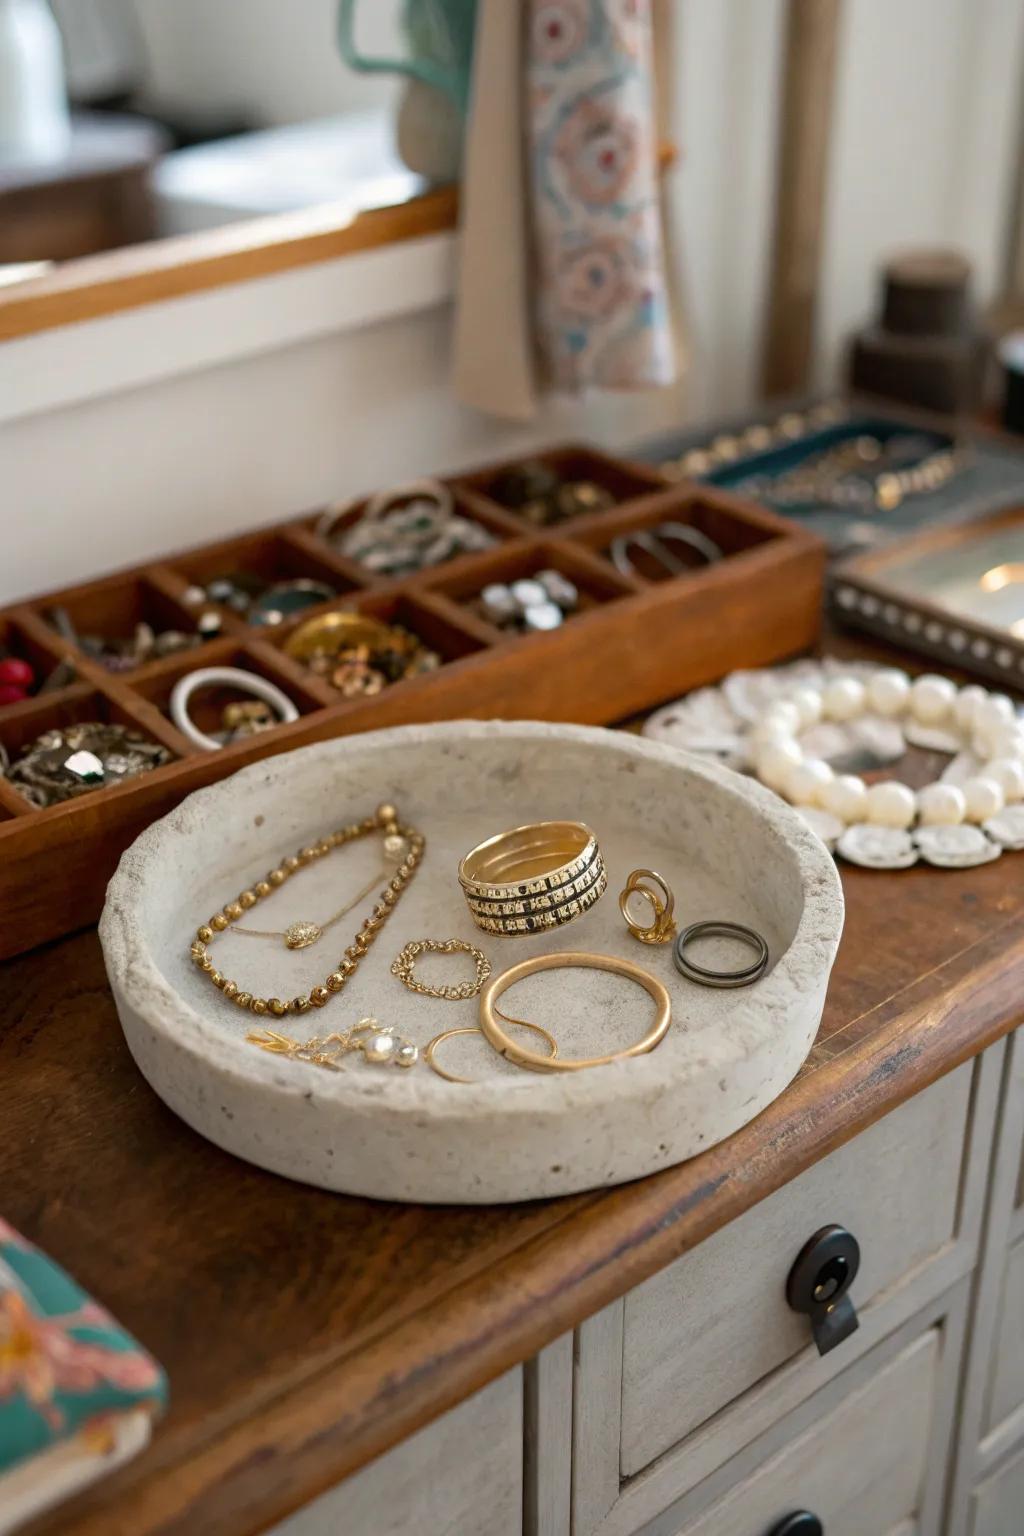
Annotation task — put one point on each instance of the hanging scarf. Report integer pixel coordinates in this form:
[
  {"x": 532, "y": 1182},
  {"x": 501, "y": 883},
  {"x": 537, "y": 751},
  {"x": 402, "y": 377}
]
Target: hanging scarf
[
  {"x": 600, "y": 309},
  {"x": 562, "y": 277}
]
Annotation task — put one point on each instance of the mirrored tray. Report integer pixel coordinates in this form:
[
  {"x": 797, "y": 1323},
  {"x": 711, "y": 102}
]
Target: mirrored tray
[{"x": 954, "y": 593}]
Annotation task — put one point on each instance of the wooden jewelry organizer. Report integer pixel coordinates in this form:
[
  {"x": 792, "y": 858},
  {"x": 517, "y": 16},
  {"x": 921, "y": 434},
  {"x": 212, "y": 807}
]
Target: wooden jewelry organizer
[{"x": 632, "y": 643}]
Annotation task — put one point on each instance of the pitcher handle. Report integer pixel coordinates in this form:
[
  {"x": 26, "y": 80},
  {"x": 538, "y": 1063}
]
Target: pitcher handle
[{"x": 423, "y": 70}]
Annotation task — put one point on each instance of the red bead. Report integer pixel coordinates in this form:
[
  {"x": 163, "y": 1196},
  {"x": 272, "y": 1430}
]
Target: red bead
[
  {"x": 10, "y": 693},
  {"x": 14, "y": 670}
]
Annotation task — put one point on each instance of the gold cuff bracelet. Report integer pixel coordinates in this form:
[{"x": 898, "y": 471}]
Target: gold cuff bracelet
[
  {"x": 533, "y": 878},
  {"x": 522, "y": 1057}
]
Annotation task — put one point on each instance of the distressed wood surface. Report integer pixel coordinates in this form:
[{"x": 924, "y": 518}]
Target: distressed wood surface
[{"x": 305, "y": 1332}]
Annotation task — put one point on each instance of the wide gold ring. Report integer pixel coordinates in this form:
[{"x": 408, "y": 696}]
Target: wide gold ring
[
  {"x": 533, "y": 878},
  {"x": 662, "y": 903},
  {"x": 522, "y": 1057}
]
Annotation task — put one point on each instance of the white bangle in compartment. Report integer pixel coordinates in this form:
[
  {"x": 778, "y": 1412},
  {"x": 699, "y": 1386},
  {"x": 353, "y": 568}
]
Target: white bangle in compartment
[{"x": 228, "y": 677}]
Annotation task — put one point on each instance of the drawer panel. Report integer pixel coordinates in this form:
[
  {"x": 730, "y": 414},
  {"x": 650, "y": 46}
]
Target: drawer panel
[
  {"x": 1006, "y": 1379},
  {"x": 860, "y": 1469},
  {"x": 998, "y": 1505},
  {"x": 460, "y": 1476},
  {"x": 712, "y": 1325}
]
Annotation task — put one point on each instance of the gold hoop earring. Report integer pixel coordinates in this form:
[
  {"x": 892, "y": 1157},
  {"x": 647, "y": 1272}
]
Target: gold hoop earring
[
  {"x": 474, "y": 1029},
  {"x": 658, "y": 892}
]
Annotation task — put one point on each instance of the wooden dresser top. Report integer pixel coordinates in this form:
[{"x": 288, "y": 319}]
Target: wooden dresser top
[{"x": 305, "y": 1332}]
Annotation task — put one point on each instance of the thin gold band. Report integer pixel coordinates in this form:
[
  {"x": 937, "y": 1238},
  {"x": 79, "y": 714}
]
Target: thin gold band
[
  {"x": 474, "y": 1029},
  {"x": 522, "y": 1057}
]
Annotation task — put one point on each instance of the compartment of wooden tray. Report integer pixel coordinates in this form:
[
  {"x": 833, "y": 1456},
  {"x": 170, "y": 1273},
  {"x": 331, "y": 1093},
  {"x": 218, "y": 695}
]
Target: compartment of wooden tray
[
  {"x": 624, "y": 482},
  {"x": 733, "y": 532},
  {"x": 498, "y": 522},
  {"x": 278, "y": 554},
  {"x": 114, "y": 607},
  {"x": 633, "y": 643},
  {"x": 22, "y": 637},
  {"x": 306, "y": 692}
]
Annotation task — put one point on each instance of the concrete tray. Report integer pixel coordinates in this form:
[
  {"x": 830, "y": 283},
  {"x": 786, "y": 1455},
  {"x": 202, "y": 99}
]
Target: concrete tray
[{"x": 729, "y": 848}]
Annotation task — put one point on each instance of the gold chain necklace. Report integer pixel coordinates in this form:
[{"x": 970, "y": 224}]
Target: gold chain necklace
[
  {"x": 301, "y": 934},
  {"x": 398, "y": 841}
]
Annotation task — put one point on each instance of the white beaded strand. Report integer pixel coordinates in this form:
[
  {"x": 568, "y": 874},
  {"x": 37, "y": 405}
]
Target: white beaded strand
[{"x": 987, "y": 723}]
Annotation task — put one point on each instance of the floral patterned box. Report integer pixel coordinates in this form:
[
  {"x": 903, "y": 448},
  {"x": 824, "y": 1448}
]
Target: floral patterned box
[{"x": 77, "y": 1394}]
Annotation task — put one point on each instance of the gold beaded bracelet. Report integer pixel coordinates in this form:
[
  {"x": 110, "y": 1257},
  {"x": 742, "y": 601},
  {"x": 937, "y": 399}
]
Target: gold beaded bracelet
[{"x": 385, "y": 819}]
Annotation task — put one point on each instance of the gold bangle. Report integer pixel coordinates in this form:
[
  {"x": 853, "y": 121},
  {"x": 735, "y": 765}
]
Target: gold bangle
[
  {"x": 533, "y": 1059},
  {"x": 662, "y": 927},
  {"x": 533, "y": 878},
  {"x": 474, "y": 1029}
]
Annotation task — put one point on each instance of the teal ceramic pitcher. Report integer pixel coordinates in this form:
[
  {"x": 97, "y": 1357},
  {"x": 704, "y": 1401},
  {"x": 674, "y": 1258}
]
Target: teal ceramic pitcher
[{"x": 440, "y": 39}]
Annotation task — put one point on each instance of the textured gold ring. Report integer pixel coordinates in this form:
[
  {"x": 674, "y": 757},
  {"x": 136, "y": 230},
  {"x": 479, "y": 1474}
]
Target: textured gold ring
[
  {"x": 474, "y": 1029},
  {"x": 658, "y": 893},
  {"x": 522, "y": 1057},
  {"x": 533, "y": 878}
]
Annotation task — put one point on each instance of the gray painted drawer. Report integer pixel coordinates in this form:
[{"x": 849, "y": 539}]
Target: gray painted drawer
[
  {"x": 998, "y": 1505},
  {"x": 1006, "y": 1380},
  {"x": 460, "y": 1476},
  {"x": 860, "y": 1469},
  {"x": 691, "y": 1368},
  {"x": 704, "y": 1331}
]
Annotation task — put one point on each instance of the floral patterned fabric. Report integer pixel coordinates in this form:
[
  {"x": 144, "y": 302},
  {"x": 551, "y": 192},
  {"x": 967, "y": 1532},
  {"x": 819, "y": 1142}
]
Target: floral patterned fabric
[
  {"x": 67, "y": 1369},
  {"x": 601, "y": 310}
]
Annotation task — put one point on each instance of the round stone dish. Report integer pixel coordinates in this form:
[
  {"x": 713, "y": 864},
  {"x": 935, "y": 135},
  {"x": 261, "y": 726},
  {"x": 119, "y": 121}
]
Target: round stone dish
[{"x": 729, "y": 848}]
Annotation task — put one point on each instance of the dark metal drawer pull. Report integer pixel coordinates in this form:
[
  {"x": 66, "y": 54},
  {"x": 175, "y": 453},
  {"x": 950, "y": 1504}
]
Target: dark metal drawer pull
[
  {"x": 802, "y": 1523},
  {"x": 818, "y": 1284}
]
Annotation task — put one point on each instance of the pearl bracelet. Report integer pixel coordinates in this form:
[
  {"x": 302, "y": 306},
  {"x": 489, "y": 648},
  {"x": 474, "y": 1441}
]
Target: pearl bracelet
[{"x": 986, "y": 723}]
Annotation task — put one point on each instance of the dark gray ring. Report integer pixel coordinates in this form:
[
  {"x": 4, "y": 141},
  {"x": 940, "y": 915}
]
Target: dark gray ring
[
  {"x": 684, "y": 533},
  {"x": 705, "y": 977},
  {"x": 653, "y": 540}
]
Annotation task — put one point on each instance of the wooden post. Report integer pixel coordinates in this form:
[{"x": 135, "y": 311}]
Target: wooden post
[
  {"x": 808, "y": 84},
  {"x": 1013, "y": 263}
]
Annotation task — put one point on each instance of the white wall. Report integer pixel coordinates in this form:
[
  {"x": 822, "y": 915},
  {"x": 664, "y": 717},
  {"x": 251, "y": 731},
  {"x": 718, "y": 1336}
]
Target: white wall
[
  {"x": 926, "y": 125},
  {"x": 302, "y": 387},
  {"x": 727, "y": 80}
]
